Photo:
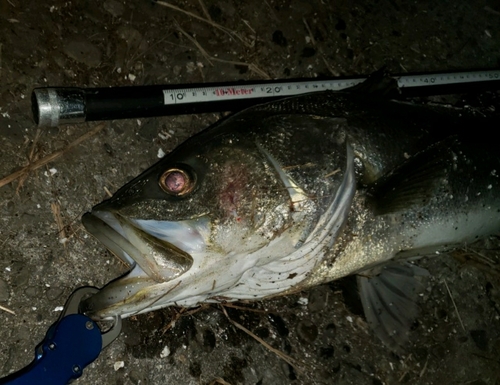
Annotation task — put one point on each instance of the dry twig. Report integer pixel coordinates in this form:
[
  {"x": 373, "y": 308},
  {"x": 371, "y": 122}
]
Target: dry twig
[
  {"x": 422, "y": 372},
  {"x": 182, "y": 312},
  {"x": 56, "y": 212},
  {"x": 245, "y": 308},
  {"x": 195, "y": 42},
  {"x": 32, "y": 157},
  {"x": 491, "y": 10},
  {"x": 231, "y": 33},
  {"x": 7, "y": 310},
  {"x": 252, "y": 67},
  {"x": 289, "y": 360},
  {"x": 454, "y": 304},
  {"x": 472, "y": 257},
  {"x": 51, "y": 157},
  {"x": 108, "y": 193},
  {"x": 332, "y": 173},
  {"x": 205, "y": 11},
  {"x": 313, "y": 41}
]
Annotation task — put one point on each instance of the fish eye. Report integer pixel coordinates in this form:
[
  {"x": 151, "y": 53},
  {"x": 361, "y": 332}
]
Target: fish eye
[{"x": 176, "y": 181}]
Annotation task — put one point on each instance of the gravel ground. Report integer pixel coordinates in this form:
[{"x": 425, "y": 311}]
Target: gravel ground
[{"x": 45, "y": 252}]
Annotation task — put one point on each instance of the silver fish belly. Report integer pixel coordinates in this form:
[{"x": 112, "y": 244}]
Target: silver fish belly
[{"x": 291, "y": 194}]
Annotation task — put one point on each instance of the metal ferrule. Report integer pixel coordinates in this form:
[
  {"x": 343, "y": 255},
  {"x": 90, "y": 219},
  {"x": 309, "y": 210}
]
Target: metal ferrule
[{"x": 54, "y": 106}]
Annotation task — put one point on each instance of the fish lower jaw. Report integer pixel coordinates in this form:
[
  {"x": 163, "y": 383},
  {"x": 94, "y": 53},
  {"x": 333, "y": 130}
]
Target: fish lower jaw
[
  {"x": 137, "y": 293},
  {"x": 230, "y": 278}
]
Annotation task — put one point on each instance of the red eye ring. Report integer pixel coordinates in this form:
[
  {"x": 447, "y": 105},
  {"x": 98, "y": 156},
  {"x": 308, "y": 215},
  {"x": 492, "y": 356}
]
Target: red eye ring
[{"x": 176, "y": 181}]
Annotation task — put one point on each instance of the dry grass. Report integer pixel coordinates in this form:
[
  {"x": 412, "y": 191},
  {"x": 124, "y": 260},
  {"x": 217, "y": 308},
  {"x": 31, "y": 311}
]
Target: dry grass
[
  {"x": 479, "y": 260},
  {"x": 251, "y": 66},
  {"x": 34, "y": 164},
  {"x": 454, "y": 304},
  {"x": 183, "y": 311},
  {"x": 7, "y": 310},
  {"x": 56, "y": 212},
  {"x": 231, "y": 33},
  {"x": 297, "y": 365}
]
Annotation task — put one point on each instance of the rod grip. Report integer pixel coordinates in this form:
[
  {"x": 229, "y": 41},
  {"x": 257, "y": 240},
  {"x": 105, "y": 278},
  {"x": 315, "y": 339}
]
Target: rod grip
[{"x": 54, "y": 106}]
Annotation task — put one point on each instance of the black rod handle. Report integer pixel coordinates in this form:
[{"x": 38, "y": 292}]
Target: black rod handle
[{"x": 61, "y": 105}]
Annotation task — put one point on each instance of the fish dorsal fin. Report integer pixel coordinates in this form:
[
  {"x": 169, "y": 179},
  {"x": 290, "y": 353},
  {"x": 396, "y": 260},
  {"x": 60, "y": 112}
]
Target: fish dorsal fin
[
  {"x": 389, "y": 298},
  {"x": 378, "y": 84}
]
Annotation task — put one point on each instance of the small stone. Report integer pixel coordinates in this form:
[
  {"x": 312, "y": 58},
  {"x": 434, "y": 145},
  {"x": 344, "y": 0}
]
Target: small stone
[
  {"x": 149, "y": 129},
  {"x": 307, "y": 331},
  {"x": 131, "y": 36},
  {"x": 31, "y": 292},
  {"x": 318, "y": 298},
  {"x": 82, "y": 51},
  {"x": 288, "y": 371},
  {"x": 21, "y": 279},
  {"x": 118, "y": 365},
  {"x": 54, "y": 293},
  {"x": 165, "y": 352},
  {"x": 137, "y": 377},
  {"x": 114, "y": 7}
]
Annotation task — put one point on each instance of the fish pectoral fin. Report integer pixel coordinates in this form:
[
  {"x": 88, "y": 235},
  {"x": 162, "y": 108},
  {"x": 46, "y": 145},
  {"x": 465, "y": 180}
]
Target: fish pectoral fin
[
  {"x": 389, "y": 301},
  {"x": 414, "y": 183}
]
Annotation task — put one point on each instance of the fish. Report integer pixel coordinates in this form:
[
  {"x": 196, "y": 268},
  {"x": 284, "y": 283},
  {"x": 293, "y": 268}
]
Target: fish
[{"x": 298, "y": 192}]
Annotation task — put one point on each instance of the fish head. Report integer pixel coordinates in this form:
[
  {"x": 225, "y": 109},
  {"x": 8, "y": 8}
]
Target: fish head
[{"x": 197, "y": 225}]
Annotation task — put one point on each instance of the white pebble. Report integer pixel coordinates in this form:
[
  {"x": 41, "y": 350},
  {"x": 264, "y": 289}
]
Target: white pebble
[
  {"x": 161, "y": 153},
  {"x": 59, "y": 308},
  {"x": 119, "y": 365},
  {"x": 303, "y": 301},
  {"x": 165, "y": 352}
]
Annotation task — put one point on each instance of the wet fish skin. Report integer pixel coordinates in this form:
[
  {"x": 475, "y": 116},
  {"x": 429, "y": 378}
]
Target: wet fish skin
[{"x": 295, "y": 193}]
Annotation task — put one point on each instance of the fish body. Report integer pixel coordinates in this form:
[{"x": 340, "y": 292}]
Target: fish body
[{"x": 295, "y": 193}]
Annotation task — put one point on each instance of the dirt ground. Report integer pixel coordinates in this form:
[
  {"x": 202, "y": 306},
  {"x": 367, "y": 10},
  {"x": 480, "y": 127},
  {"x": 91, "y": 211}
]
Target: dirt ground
[{"x": 45, "y": 252}]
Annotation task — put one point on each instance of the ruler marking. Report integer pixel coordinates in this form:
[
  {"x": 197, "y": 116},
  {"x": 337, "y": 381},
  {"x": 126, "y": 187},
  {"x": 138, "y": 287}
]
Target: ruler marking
[{"x": 232, "y": 92}]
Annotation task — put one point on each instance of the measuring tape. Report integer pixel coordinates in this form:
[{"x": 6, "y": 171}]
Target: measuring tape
[
  {"x": 53, "y": 106},
  {"x": 280, "y": 89}
]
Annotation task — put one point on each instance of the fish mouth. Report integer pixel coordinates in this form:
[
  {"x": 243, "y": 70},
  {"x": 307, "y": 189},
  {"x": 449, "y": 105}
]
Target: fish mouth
[{"x": 155, "y": 251}]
